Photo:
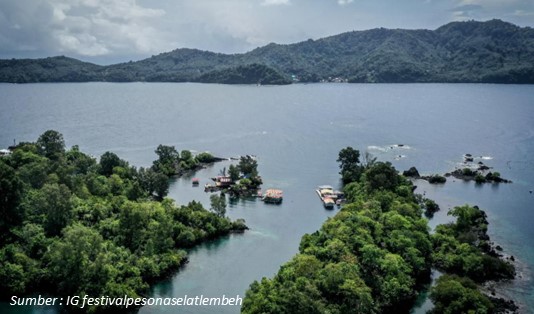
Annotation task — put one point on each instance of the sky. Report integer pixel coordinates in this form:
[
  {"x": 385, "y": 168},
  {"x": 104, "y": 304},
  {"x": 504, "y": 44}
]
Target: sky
[{"x": 110, "y": 31}]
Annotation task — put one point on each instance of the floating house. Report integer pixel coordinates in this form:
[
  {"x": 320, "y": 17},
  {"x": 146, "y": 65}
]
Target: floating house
[{"x": 273, "y": 196}]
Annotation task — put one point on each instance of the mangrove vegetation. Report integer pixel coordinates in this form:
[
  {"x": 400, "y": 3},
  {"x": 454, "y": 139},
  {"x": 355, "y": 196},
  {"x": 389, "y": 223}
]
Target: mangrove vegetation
[
  {"x": 74, "y": 225},
  {"x": 377, "y": 253}
]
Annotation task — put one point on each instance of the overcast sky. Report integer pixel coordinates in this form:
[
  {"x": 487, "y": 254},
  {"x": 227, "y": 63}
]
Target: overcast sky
[{"x": 108, "y": 31}]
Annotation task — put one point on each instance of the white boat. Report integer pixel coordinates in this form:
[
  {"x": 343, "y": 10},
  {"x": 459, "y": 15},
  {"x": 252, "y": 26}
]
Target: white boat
[
  {"x": 327, "y": 195},
  {"x": 328, "y": 202}
]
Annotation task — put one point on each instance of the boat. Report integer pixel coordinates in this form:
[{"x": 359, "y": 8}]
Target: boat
[
  {"x": 5, "y": 152},
  {"x": 273, "y": 196},
  {"x": 195, "y": 181},
  {"x": 328, "y": 196},
  {"x": 223, "y": 181},
  {"x": 210, "y": 188},
  {"x": 328, "y": 202}
]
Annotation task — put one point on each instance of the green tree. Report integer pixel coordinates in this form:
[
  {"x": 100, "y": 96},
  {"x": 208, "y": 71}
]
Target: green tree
[
  {"x": 187, "y": 161},
  {"x": 218, "y": 204},
  {"x": 368, "y": 160},
  {"x": 105, "y": 239},
  {"x": 233, "y": 172},
  {"x": 51, "y": 144},
  {"x": 55, "y": 203},
  {"x": 467, "y": 216},
  {"x": 205, "y": 157},
  {"x": 133, "y": 222},
  {"x": 168, "y": 159},
  {"x": 382, "y": 175},
  {"x": 453, "y": 294},
  {"x": 33, "y": 240},
  {"x": 108, "y": 161},
  {"x": 80, "y": 161},
  {"x": 248, "y": 166},
  {"x": 18, "y": 272},
  {"x": 349, "y": 163},
  {"x": 146, "y": 178},
  {"x": 35, "y": 173},
  {"x": 11, "y": 190}
]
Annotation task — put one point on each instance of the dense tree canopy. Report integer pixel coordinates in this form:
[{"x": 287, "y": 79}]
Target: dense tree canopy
[
  {"x": 375, "y": 254},
  {"x": 492, "y": 51},
  {"x": 453, "y": 294},
  {"x": 72, "y": 226},
  {"x": 10, "y": 196},
  {"x": 349, "y": 163},
  {"x": 171, "y": 162},
  {"x": 367, "y": 259},
  {"x": 51, "y": 144}
]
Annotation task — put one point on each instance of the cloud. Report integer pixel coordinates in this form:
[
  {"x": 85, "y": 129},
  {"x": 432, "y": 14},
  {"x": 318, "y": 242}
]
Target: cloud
[
  {"x": 467, "y": 7},
  {"x": 275, "y": 2},
  {"x": 106, "y": 31},
  {"x": 82, "y": 27},
  {"x": 523, "y": 13},
  {"x": 515, "y": 11},
  {"x": 466, "y": 10}
]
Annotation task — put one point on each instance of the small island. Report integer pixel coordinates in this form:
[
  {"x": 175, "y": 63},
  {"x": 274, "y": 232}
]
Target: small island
[
  {"x": 240, "y": 181},
  {"x": 170, "y": 162},
  {"x": 479, "y": 176},
  {"x": 479, "y": 172}
]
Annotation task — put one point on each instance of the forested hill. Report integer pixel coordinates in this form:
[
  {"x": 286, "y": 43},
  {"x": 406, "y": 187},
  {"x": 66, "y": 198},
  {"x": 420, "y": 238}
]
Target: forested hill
[{"x": 491, "y": 52}]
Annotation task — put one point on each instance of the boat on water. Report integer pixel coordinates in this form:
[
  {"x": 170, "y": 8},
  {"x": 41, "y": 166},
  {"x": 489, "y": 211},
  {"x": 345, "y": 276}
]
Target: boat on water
[
  {"x": 210, "y": 187},
  {"x": 273, "y": 196},
  {"x": 223, "y": 181},
  {"x": 329, "y": 197},
  {"x": 195, "y": 181},
  {"x": 328, "y": 202}
]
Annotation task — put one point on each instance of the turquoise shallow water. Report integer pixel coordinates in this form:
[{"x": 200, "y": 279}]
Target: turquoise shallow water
[{"x": 296, "y": 131}]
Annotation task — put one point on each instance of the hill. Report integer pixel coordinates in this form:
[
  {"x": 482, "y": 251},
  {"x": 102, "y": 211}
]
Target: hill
[{"x": 479, "y": 52}]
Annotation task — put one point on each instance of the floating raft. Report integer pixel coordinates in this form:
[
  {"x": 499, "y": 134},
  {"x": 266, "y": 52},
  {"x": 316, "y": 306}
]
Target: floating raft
[
  {"x": 329, "y": 197},
  {"x": 273, "y": 196}
]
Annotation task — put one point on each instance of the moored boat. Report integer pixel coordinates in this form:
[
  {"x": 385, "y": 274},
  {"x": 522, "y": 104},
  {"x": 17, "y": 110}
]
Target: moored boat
[
  {"x": 328, "y": 196},
  {"x": 328, "y": 202},
  {"x": 210, "y": 188},
  {"x": 273, "y": 196}
]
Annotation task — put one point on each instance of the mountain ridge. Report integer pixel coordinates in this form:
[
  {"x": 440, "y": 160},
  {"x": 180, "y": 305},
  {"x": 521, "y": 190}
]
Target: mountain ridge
[{"x": 493, "y": 51}]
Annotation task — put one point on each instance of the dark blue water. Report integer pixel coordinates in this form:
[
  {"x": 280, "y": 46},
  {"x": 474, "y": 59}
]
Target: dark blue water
[{"x": 296, "y": 131}]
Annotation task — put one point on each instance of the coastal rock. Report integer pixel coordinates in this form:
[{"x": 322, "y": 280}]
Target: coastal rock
[
  {"x": 412, "y": 173},
  {"x": 436, "y": 179},
  {"x": 503, "y": 306},
  {"x": 468, "y": 174}
]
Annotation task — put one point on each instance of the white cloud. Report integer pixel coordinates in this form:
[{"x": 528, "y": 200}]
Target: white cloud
[
  {"x": 106, "y": 31},
  {"x": 275, "y": 2},
  {"x": 344, "y": 2},
  {"x": 100, "y": 27},
  {"x": 523, "y": 13},
  {"x": 84, "y": 27}
]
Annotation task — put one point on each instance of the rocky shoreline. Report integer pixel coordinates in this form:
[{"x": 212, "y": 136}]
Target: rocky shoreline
[
  {"x": 203, "y": 165},
  {"x": 479, "y": 172}
]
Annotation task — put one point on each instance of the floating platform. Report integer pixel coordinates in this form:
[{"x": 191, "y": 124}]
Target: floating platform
[
  {"x": 273, "y": 196},
  {"x": 329, "y": 197}
]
